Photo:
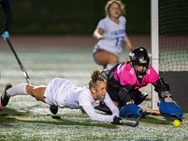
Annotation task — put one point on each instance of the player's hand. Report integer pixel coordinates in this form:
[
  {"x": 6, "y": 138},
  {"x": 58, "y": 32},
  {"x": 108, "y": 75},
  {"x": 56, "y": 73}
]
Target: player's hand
[
  {"x": 99, "y": 37},
  {"x": 117, "y": 120},
  {"x": 131, "y": 110},
  {"x": 5, "y": 35}
]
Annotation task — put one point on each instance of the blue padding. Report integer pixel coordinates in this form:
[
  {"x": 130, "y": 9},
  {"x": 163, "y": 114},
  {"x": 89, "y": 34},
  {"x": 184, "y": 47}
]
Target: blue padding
[
  {"x": 169, "y": 108},
  {"x": 130, "y": 110}
]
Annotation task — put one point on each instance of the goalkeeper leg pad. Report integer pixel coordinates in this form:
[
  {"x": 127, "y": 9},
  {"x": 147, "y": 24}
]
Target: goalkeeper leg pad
[{"x": 170, "y": 108}]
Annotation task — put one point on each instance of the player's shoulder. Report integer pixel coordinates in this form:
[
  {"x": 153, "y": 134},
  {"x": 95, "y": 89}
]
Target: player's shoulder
[
  {"x": 102, "y": 22},
  {"x": 151, "y": 69},
  {"x": 122, "y": 19},
  {"x": 85, "y": 92},
  {"x": 151, "y": 72},
  {"x": 126, "y": 66}
]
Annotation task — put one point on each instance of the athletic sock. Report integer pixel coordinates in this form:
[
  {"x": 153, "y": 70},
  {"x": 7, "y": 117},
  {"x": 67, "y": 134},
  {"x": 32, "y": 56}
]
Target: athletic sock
[{"x": 19, "y": 89}]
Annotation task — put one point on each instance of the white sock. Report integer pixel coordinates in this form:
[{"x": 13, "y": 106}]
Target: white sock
[
  {"x": 19, "y": 89},
  {"x": 109, "y": 66}
]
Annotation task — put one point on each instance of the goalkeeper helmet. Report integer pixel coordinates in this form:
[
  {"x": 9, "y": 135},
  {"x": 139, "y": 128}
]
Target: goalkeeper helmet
[{"x": 139, "y": 57}]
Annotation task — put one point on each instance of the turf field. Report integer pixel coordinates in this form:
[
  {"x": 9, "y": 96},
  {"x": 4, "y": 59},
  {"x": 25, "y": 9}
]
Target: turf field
[{"x": 27, "y": 119}]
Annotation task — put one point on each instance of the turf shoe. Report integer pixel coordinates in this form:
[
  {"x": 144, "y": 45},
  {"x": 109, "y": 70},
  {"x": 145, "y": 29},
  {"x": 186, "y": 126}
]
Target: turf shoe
[
  {"x": 53, "y": 109},
  {"x": 5, "y": 98}
]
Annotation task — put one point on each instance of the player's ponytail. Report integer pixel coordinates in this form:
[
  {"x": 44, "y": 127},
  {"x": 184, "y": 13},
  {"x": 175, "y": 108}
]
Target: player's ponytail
[{"x": 96, "y": 76}]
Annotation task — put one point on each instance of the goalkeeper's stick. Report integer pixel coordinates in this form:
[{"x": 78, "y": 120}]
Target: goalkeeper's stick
[
  {"x": 19, "y": 62},
  {"x": 157, "y": 113}
]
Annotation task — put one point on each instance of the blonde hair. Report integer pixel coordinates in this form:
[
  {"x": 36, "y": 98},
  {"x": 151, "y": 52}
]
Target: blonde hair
[
  {"x": 96, "y": 76},
  {"x": 110, "y": 2}
]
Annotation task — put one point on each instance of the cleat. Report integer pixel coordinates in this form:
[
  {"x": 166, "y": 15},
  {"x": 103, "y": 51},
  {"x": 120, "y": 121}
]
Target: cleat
[
  {"x": 5, "y": 98},
  {"x": 53, "y": 109}
]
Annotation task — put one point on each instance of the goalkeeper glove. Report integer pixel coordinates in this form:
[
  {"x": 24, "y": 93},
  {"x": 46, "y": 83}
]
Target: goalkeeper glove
[{"x": 131, "y": 110}]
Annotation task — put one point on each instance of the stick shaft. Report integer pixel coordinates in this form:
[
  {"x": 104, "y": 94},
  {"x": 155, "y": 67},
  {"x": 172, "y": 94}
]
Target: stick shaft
[
  {"x": 157, "y": 113},
  {"x": 19, "y": 62}
]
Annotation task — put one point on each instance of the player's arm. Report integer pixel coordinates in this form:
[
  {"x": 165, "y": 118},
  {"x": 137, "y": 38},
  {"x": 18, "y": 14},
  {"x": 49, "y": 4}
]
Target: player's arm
[
  {"x": 90, "y": 111},
  {"x": 109, "y": 103},
  {"x": 124, "y": 94},
  {"x": 98, "y": 33},
  {"x": 128, "y": 42},
  {"x": 129, "y": 109},
  {"x": 163, "y": 90},
  {"x": 166, "y": 103},
  {"x": 8, "y": 14},
  {"x": 93, "y": 115},
  {"x": 85, "y": 102}
]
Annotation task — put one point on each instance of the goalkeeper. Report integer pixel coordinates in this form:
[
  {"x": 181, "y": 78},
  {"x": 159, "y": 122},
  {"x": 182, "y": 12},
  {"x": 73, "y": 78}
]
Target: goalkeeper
[
  {"x": 65, "y": 94},
  {"x": 125, "y": 79}
]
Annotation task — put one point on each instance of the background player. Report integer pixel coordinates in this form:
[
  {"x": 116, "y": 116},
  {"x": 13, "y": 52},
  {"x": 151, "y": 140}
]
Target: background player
[
  {"x": 65, "y": 94},
  {"x": 111, "y": 34}
]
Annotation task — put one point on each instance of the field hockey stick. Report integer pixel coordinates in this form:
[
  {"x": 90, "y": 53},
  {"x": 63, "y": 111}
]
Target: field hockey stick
[
  {"x": 150, "y": 112},
  {"x": 130, "y": 123},
  {"x": 157, "y": 113},
  {"x": 26, "y": 76}
]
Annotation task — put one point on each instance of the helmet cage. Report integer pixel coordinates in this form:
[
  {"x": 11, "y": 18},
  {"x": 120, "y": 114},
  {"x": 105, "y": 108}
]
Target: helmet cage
[{"x": 139, "y": 57}]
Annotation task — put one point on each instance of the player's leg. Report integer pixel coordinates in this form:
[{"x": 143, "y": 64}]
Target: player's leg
[
  {"x": 36, "y": 91},
  {"x": 105, "y": 58},
  {"x": 21, "y": 89},
  {"x": 4, "y": 97}
]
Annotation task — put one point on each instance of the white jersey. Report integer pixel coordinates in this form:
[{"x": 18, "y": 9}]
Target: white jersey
[
  {"x": 113, "y": 35},
  {"x": 64, "y": 93}
]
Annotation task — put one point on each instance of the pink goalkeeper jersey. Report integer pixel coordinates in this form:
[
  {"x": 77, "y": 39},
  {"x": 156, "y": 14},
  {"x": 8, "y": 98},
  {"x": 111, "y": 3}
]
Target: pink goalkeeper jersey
[{"x": 125, "y": 74}]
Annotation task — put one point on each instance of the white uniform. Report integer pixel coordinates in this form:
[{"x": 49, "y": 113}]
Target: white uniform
[
  {"x": 64, "y": 93},
  {"x": 113, "y": 35}
]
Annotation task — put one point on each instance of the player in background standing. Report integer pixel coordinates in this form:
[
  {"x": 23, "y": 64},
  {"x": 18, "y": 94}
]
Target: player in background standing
[
  {"x": 111, "y": 35},
  {"x": 65, "y": 94},
  {"x": 5, "y": 5},
  {"x": 126, "y": 78}
]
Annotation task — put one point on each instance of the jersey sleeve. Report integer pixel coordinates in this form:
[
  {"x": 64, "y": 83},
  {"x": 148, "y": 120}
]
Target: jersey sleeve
[
  {"x": 111, "y": 105},
  {"x": 127, "y": 75},
  {"x": 123, "y": 20},
  {"x": 85, "y": 101},
  {"x": 154, "y": 76},
  {"x": 101, "y": 24}
]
